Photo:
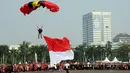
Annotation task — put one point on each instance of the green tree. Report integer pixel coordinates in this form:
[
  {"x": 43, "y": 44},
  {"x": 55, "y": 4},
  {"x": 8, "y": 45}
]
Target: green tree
[
  {"x": 43, "y": 53},
  {"x": 123, "y": 51},
  {"x": 4, "y": 53},
  {"x": 99, "y": 52},
  {"x": 108, "y": 49},
  {"x": 14, "y": 55},
  {"x": 31, "y": 54},
  {"x": 91, "y": 52},
  {"x": 80, "y": 52},
  {"x": 24, "y": 48}
]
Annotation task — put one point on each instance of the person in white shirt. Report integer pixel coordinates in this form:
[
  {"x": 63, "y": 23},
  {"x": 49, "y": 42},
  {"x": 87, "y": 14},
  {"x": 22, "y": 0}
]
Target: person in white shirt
[
  {"x": 67, "y": 67},
  {"x": 39, "y": 66},
  {"x": 55, "y": 66}
]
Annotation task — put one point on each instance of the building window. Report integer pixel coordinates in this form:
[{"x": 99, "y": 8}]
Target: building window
[
  {"x": 106, "y": 26},
  {"x": 106, "y": 16}
]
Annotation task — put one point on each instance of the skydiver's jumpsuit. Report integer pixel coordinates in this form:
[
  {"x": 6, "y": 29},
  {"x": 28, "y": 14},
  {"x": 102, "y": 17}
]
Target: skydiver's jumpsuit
[{"x": 40, "y": 33}]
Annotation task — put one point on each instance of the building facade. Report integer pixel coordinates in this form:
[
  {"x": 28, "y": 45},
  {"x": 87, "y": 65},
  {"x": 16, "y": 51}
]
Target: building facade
[
  {"x": 97, "y": 28},
  {"x": 119, "y": 39}
]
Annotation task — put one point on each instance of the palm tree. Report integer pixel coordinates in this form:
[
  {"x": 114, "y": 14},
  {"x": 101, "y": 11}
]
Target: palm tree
[
  {"x": 24, "y": 48},
  {"x": 91, "y": 52},
  {"x": 80, "y": 52},
  {"x": 99, "y": 52},
  {"x": 115, "y": 53},
  {"x": 108, "y": 49},
  {"x": 43, "y": 53},
  {"x": 4, "y": 53},
  {"x": 31, "y": 54},
  {"x": 14, "y": 55},
  {"x": 123, "y": 51}
]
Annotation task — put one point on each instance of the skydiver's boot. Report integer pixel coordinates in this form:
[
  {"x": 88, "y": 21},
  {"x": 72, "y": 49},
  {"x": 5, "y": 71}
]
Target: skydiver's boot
[
  {"x": 41, "y": 36},
  {"x": 38, "y": 36}
]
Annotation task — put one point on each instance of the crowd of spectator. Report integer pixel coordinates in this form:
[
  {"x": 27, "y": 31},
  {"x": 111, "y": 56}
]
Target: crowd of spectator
[{"x": 61, "y": 66}]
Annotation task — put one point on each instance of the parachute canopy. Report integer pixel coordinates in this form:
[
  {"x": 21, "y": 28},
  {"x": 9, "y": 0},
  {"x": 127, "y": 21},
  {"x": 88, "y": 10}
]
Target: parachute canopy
[{"x": 31, "y": 6}]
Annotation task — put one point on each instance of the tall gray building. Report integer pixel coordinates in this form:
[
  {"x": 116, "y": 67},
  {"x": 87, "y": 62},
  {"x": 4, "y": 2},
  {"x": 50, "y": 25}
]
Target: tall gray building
[{"x": 97, "y": 28}]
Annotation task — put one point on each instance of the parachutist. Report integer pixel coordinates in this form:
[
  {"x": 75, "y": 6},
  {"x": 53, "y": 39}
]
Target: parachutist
[{"x": 39, "y": 32}]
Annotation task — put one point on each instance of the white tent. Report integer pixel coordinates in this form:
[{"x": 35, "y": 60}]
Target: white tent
[
  {"x": 106, "y": 60},
  {"x": 19, "y": 62},
  {"x": 115, "y": 60}
]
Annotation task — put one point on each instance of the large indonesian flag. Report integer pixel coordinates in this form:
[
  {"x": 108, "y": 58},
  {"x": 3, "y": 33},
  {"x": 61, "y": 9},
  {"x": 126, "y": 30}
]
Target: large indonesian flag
[{"x": 59, "y": 49}]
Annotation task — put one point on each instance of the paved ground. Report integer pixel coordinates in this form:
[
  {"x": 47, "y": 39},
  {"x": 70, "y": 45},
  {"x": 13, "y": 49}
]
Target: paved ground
[{"x": 85, "y": 71}]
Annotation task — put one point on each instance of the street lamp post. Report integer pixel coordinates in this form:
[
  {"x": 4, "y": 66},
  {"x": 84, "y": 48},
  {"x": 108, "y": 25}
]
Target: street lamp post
[{"x": 84, "y": 57}]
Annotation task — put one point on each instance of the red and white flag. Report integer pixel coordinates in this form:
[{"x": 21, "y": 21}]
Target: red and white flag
[{"x": 59, "y": 49}]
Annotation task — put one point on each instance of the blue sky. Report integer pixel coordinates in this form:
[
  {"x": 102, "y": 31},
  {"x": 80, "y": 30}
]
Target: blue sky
[{"x": 15, "y": 27}]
